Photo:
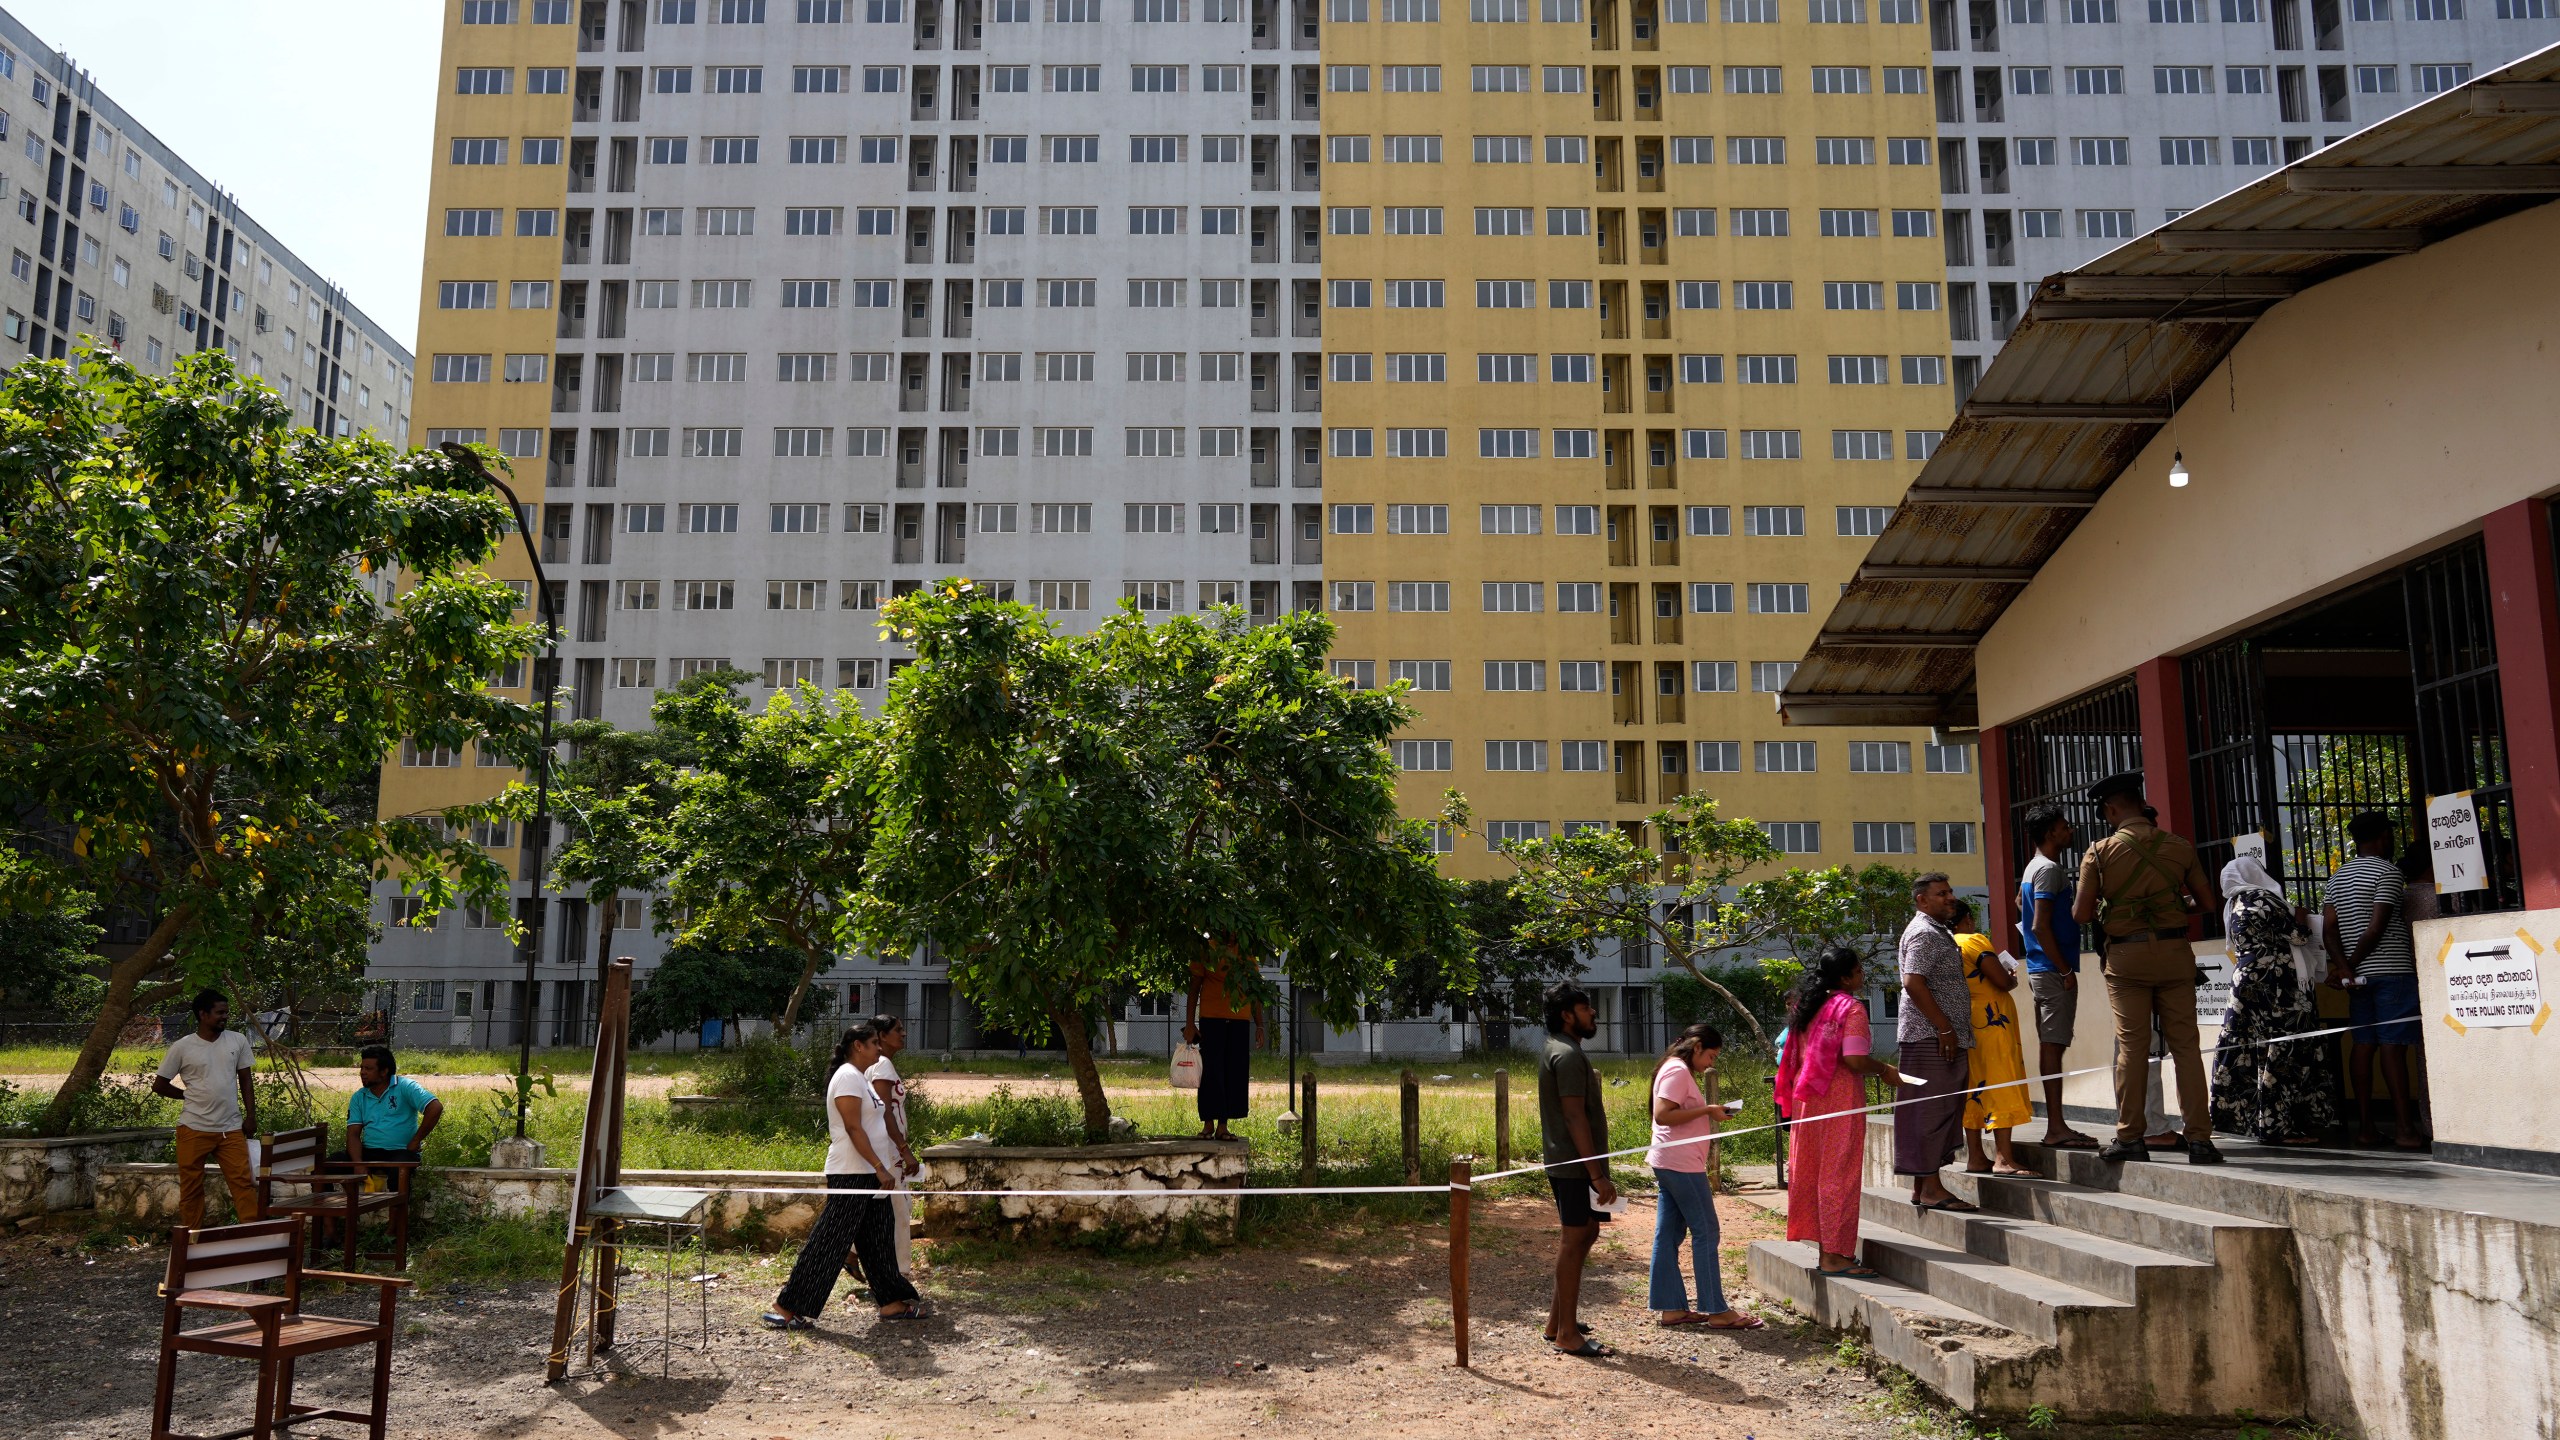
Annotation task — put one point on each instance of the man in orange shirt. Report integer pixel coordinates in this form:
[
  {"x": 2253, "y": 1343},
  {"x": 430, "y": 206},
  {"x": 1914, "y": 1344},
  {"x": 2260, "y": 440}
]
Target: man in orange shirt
[{"x": 1223, "y": 1029}]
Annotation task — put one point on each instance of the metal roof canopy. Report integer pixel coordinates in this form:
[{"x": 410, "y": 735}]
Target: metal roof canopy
[{"x": 2104, "y": 352}]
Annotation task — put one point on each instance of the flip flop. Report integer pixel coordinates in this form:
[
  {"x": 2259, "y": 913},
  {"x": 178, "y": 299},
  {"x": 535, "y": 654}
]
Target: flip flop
[
  {"x": 2076, "y": 1141},
  {"x": 1691, "y": 1318},
  {"x": 1590, "y": 1350},
  {"x": 2014, "y": 1170},
  {"x": 1854, "y": 1272},
  {"x": 1749, "y": 1322},
  {"x": 776, "y": 1320},
  {"x": 913, "y": 1311},
  {"x": 1951, "y": 1206}
]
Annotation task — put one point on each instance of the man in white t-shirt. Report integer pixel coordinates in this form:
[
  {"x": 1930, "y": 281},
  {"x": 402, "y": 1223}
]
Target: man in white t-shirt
[
  {"x": 891, "y": 1033},
  {"x": 218, "y": 1109}
]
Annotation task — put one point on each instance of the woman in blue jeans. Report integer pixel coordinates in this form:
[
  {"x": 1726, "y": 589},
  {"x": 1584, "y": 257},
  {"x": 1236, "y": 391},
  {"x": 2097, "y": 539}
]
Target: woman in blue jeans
[{"x": 1682, "y": 1121}]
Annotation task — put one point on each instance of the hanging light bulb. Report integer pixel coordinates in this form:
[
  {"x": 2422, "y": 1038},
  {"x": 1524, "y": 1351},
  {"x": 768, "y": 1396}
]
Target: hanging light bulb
[{"x": 2178, "y": 470}]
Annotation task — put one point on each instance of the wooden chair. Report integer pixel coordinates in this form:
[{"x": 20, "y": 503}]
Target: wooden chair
[
  {"x": 338, "y": 1201},
  {"x": 207, "y": 1269}
]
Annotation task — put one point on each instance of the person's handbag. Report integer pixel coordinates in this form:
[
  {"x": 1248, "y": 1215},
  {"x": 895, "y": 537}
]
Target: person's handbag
[{"x": 1186, "y": 1067}]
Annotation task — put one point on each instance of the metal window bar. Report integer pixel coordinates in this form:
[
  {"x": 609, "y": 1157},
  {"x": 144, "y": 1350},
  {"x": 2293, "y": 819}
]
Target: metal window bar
[
  {"x": 2056, "y": 754},
  {"x": 2229, "y": 762},
  {"x": 2462, "y": 741}
]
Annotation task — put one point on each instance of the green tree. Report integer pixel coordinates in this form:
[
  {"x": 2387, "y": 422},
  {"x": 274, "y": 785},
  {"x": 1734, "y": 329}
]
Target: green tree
[
  {"x": 1810, "y": 911},
  {"x": 1604, "y": 883},
  {"x": 1511, "y": 970},
  {"x": 763, "y": 842},
  {"x": 194, "y": 654},
  {"x": 48, "y": 956},
  {"x": 697, "y": 980},
  {"x": 1078, "y": 818}
]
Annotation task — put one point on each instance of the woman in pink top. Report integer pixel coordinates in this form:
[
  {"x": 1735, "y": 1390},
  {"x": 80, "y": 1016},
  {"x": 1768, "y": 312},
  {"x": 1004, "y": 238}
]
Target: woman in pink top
[
  {"x": 1682, "y": 1121},
  {"x": 1820, "y": 1088}
]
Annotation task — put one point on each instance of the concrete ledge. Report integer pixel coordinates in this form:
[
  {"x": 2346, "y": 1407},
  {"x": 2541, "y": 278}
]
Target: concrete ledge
[
  {"x": 41, "y": 1175},
  {"x": 1171, "y": 1166}
]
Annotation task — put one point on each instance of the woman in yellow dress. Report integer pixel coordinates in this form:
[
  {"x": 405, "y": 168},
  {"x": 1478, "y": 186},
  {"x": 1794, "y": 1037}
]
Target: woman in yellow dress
[{"x": 1998, "y": 1058}]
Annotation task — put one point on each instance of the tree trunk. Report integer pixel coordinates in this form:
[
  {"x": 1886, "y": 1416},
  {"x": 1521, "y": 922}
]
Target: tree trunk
[
  {"x": 604, "y": 947},
  {"x": 812, "y": 958},
  {"x": 124, "y": 981},
  {"x": 1097, "y": 1106},
  {"x": 1738, "y": 1007}
]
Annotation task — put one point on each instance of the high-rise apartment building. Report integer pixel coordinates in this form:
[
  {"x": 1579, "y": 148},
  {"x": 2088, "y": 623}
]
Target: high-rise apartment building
[
  {"x": 787, "y": 306},
  {"x": 1567, "y": 351},
  {"x": 120, "y": 239},
  {"x": 2070, "y": 126}
]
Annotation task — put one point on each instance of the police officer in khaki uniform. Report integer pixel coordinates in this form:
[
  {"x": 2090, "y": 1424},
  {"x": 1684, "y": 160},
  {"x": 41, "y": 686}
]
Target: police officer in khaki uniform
[{"x": 2138, "y": 884}]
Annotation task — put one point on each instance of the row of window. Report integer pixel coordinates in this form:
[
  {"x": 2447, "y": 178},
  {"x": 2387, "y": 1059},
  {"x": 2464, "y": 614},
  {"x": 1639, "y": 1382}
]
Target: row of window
[
  {"x": 1769, "y": 757},
  {"x": 1426, "y": 149},
  {"x": 1679, "y": 79},
  {"x": 2245, "y": 12},
  {"x": 1433, "y": 294},
  {"x": 1792, "y": 837},
  {"x": 1573, "y": 597},
  {"x": 721, "y": 517}
]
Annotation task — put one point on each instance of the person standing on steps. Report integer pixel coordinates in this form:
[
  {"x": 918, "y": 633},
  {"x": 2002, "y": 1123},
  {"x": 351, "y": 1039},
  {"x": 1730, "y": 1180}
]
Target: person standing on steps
[
  {"x": 2366, "y": 917},
  {"x": 2138, "y": 884},
  {"x": 1997, "y": 1059},
  {"x": 1223, "y": 1029},
  {"x": 219, "y": 1109},
  {"x": 1572, "y": 1133},
  {"x": 2262, "y": 1085},
  {"x": 857, "y": 1216},
  {"x": 1821, "y": 1087},
  {"x": 2051, "y": 939},
  {"x": 1935, "y": 1032}
]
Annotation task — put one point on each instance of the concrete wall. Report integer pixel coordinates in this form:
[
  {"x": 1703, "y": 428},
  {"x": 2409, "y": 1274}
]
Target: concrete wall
[
  {"x": 38, "y": 1176},
  {"x": 2310, "y": 473},
  {"x": 1176, "y": 1167},
  {"x": 2492, "y": 1098}
]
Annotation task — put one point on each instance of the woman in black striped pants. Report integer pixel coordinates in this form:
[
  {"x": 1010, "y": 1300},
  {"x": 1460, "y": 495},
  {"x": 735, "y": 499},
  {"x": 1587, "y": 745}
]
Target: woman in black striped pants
[{"x": 858, "y": 1155}]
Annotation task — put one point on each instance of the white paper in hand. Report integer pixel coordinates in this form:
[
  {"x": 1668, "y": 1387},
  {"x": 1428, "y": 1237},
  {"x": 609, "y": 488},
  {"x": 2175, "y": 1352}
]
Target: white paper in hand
[
  {"x": 1914, "y": 1081},
  {"x": 1614, "y": 1207}
]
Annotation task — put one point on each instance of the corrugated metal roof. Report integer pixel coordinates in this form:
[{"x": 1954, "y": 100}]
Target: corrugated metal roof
[{"x": 2088, "y": 377}]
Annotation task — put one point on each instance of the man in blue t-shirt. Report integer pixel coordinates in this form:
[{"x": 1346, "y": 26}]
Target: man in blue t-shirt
[
  {"x": 2051, "y": 939},
  {"x": 390, "y": 1114}
]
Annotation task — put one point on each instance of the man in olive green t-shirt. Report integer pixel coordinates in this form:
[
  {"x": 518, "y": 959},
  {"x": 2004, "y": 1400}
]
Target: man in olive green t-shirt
[{"x": 1571, "y": 1129}]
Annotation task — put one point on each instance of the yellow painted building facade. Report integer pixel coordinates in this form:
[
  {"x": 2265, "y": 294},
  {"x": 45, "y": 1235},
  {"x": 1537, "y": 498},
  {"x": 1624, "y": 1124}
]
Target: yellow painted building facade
[
  {"x": 494, "y": 223},
  {"x": 1613, "y": 300}
]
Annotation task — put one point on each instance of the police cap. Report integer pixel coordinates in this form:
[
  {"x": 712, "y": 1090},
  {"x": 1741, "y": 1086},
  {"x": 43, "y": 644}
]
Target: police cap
[{"x": 2128, "y": 783}]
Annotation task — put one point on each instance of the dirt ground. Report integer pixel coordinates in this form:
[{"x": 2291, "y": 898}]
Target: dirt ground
[{"x": 1347, "y": 1331}]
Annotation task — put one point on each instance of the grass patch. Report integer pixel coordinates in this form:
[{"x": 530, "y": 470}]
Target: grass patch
[{"x": 488, "y": 1251}]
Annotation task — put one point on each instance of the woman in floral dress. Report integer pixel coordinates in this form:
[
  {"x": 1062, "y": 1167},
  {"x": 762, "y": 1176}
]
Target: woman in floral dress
[{"x": 2272, "y": 1091}]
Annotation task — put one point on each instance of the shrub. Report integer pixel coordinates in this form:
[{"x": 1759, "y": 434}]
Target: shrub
[
  {"x": 1761, "y": 987},
  {"x": 768, "y": 1070},
  {"x": 1033, "y": 1119}
]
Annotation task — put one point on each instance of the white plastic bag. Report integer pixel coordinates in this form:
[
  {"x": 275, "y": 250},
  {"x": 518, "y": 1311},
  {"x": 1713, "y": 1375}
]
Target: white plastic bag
[{"x": 1186, "y": 1067}]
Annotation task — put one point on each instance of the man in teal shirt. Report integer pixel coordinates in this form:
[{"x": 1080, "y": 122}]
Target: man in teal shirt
[{"x": 390, "y": 1114}]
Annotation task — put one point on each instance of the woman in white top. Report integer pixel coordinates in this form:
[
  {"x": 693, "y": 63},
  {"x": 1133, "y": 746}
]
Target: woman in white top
[
  {"x": 891, "y": 1034},
  {"x": 858, "y": 1156}
]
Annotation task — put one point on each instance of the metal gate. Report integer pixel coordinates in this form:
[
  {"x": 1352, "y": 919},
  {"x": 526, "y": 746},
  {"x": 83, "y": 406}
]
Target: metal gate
[{"x": 2462, "y": 736}]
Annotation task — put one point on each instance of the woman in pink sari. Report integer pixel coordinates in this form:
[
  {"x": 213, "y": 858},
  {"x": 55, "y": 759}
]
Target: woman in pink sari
[{"x": 1821, "y": 1086}]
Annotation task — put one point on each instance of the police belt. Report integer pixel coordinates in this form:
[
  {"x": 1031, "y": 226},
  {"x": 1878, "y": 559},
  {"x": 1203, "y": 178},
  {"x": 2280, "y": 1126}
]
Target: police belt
[{"x": 2145, "y": 937}]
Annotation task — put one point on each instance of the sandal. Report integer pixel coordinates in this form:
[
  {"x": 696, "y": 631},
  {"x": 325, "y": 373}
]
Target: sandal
[
  {"x": 776, "y": 1320},
  {"x": 2073, "y": 1141},
  {"x": 2013, "y": 1171},
  {"x": 1854, "y": 1272},
  {"x": 1951, "y": 1205},
  {"x": 914, "y": 1311},
  {"x": 1689, "y": 1318},
  {"x": 1590, "y": 1349},
  {"x": 1749, "y": 1322}
]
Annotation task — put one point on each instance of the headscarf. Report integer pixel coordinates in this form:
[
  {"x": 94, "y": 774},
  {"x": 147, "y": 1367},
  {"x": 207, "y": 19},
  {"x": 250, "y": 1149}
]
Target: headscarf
[
  {"x": 2245, "y": 873},
  {"x": 1806, "y": 1070}
]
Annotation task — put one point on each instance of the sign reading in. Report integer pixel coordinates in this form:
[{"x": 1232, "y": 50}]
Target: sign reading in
[
  {"x": 2492, "y": 983},
  {"x": 2453, "y": 838}
]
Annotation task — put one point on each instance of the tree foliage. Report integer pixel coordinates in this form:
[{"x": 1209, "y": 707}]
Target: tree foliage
[
  {"x": 1810, "y": 911},
  {"x": 1074, "y": 818},
  {"x": 764, "y": 840},
  {"x": 194, "y": 657},
  {"x": 697, "y": 980}
]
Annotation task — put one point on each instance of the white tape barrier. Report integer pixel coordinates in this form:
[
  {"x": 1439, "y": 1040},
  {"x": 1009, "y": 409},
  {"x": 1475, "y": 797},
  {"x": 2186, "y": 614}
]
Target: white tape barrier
[{"x": 1445, "y": 1188}]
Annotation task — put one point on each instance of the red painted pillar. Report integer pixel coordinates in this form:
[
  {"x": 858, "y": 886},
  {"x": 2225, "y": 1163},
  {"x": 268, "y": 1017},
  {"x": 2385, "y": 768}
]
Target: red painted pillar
[
  {"x": 2525, "y": 610},
  {"x": 2160, "y": 688},
  {"x": 2000, "y": 866}
]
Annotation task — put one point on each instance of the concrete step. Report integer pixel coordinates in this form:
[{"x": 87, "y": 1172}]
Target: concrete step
[
  {"x": 2170, "y": 1229},
  {"x": 1966, "y": 1357},
  {"x": 2094, "y": 1263},
  {"x": 2037, "y": 1306}
]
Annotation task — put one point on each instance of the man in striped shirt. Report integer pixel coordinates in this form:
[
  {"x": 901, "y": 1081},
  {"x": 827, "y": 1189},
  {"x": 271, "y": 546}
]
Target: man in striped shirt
[{"x": 2366, "y": 919}]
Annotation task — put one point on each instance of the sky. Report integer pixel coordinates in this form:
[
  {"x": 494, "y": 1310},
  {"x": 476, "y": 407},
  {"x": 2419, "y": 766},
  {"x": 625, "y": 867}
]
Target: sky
[{"x": 317, "y": 114}]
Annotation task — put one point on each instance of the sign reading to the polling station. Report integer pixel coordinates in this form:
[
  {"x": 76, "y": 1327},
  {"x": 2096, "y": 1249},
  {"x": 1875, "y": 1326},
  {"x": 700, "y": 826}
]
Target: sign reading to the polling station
[
  {"x": 2492, "y": 983},
  {"x": 2453, "y": 837}
]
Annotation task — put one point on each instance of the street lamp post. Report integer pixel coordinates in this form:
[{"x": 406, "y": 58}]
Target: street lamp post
[{"x": 539, "y": 825}]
